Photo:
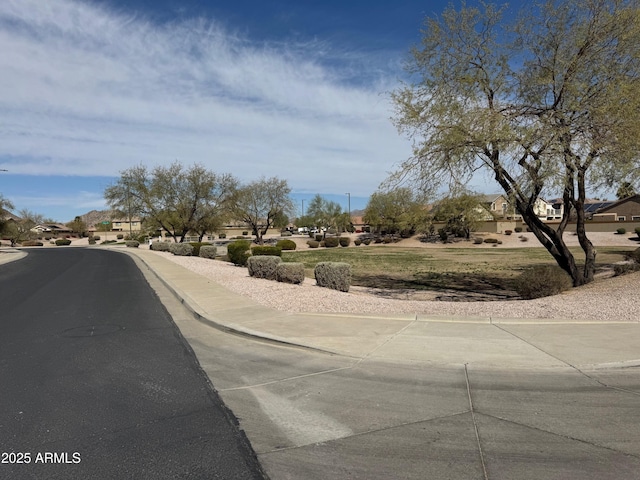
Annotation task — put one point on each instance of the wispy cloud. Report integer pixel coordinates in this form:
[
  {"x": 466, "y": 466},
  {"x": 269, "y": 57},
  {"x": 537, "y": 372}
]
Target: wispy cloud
[{"x": 88, "y": 91}]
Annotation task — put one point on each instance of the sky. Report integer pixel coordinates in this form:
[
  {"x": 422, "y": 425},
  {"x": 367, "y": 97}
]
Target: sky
[{"x": 288, "y": 88}]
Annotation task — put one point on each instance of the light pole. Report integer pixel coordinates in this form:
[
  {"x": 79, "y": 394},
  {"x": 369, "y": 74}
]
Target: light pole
[
  {"x": 302, "y": 215},
  {"x": 349, "y": 206}
]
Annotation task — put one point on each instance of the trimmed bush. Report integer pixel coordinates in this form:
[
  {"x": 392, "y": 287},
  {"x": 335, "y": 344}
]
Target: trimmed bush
[
  {"x": 319, "y": 237},
  {"x": 266, "y": 250},
  {"x": 635, "y": 255},
  {"x": 387, "y": 240},
  {"x": 523, "y": 238},
  {"x": 344, "y": 241},
  {"x": 621, "y": 231},
  {"x": 286, "y": 233},
  {"x": 197, "y": 246},
  {"x": 508, "y": 232},
  {"x": 366, "y": 241},
  {"x": 334, "y": 275},
  {"x": 92, "y": 241},
  {"x": 97, "y": 238},
  {"x": 181, "y": 249},
  {"x": 132, "y": 243},
  {"x": 290, "y": 272},
  {"x": 518, "y": 229},
  {"x": 357, "y": 242},
  {"x": 542, "y": 281},
  {"x": 222, "y": 236},
  {"x": 263, "y": 266},
  {"x": 120, "y": 236},
  {"x": 313, "y": 243},
  {"x": 490, "y": 240},
  {"x": 32, "y": 243},
  {"x": 638, "y": 231},
  {"x": 286, "y": 244},
  {"x": 477, "y": 241},
  {"x": 624, "y": 268},
  {"x": 238, "y": 252},
  {"x": 63, "y": 241},
  {"x": 245, "y": 233},
  {"x": 331, "y": 242},
  {"x": 160, "y": 246},
  {"x": 208, "y": 251}
]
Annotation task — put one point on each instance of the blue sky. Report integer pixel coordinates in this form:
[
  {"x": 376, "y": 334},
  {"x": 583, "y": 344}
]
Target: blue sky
[{"x": 288, "y": 88}]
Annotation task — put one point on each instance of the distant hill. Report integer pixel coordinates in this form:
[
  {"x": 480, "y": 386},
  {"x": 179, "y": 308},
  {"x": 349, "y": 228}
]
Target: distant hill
[{"x": 96, "y": 216}]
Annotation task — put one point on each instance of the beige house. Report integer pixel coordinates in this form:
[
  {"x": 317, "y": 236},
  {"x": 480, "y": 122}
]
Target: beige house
[
  {"x": 123, "y": 225},
  {"x": 627, "y": 209}
]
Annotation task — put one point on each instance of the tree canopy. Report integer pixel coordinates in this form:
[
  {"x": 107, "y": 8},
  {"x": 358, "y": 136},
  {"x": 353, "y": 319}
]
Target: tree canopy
[
  {"x": 327, "y": 214},
  {"x": 396, "y": 211},
  {"x": 548, "y": 103}
]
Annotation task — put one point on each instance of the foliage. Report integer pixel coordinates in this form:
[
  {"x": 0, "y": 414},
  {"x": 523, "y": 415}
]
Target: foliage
[
  {"x": 20, "y": 231},
  {"x": 637, "y": 230},
  {"x": 132, "y": 243},
  {"x": 542, "y": 281},
  {"x": 621, "y": 231},
  {"x": 160, "y": 246},
  {"x": 32, "y": 243},
  {"x": 625, "y": 268},
  {"x": 77, "y": 226},
  {"x": 181, "y": 249},
  {"x": 263, "y": 266},
  {"x": 625, "y": 190},
  {"x": 266, "y": 250},
  {"x": 313, "y": 243},
  {"x": 395, "y": 211},
  {"x": 334, "y": 275},
  {"x": 238, "y": 252},
  {"x": 5, "y": 206},
  {"x": 120, "y": 236},
  {"x": 344, "y": 241},
  {"x": 327, "y": 214},
  {"x": 290, "y": 272},
  {"x": 331, "y": 242},
  {"x": 208, "y": 251},
  {"x": 286, "y": 244},
  {"x": 635, "y": 255},
  {"x": 63, "y": 241},
  {"x": 263, "y": 204},
  {"x": 490, "y": 240},
  {"x": 357, "y": 242},
  {"x": 197, "y": 246},
  {"x": 462, "y": 213},
  {"x": 548, "y": 102},
  {"x": 174, "y": 198}
]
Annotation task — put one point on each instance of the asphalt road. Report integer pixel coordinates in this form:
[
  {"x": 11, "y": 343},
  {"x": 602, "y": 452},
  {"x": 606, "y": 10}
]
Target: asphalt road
[{"x": 97, "y": 382}]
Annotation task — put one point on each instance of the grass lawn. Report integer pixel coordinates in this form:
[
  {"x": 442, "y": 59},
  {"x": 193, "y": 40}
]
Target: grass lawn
[{"x": 457, "y": 269}]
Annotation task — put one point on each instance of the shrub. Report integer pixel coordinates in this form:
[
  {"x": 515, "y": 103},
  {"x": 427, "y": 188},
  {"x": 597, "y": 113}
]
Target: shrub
[
  {"x": 286, "y": 245},
  {"x": 387, "y": 240},
  {"x": 92, "y": 241},
  {"x": 542, "y": 281},
  {"x": 181, "y": 249},
  {"x": 263, "y": 266},
  {"x": 120, "y": 236},
  {"x": 290, "y": 272},
  {"x": 366, "y": 241},
  {"x": 160, "y": 246},
  {"x": 490, "y": 240},
  {"x": 477, "y": 241},
  {"x": 523, "y": 238},
  {"x": 197, "y": 246},
  {"x": 319, "y": 237},
  {"x": 357, "y": 242},
  {"x": 331, "y": 242},
  {"x": 518, "y": 229},
  {"x": 208, "y": 251},
  {"x": 621, "y": 231},
  {"x": 624, "y": 268},
  {"x": 638, "y": 231},
  {"x": 334, "y": 275},
  {"x": 313, "y": 244},
  {"x": 63, "y": 241},
  {"x": 238, "y": 252},
  {"x": 635, "y": 255},
  {"x": 286, "y": 233},
  {"x": 266, "y": 250},
  {"x": 97, "y": 238},
  {"x": 132, "y": 243},
  {"x": 344, "y": 241},
  {"x": 508, "y": 232},
  {"x": 222, "y": 236},
  {"x": 32, "y": 243},
  {"x": 245, "y": 233}
]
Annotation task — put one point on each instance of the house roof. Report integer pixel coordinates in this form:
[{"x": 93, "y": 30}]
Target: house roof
[
  {"x": 490, "y": 197},
  {"x": 612, "y": 205},
  {"x": 6, "y": 216}
]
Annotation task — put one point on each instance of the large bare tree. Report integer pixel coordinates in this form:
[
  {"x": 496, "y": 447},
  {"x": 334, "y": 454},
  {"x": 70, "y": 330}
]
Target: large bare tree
[{"x": 549, "y": 103}]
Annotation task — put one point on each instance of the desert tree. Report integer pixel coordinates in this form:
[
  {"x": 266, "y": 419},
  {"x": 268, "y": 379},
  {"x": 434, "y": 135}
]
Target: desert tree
[
  {"x": 547, "y": 103},
  {"x": 461, "y": 213},
  {"x": 175, "y": 198},
  {"x": 327, "y": 214},
  {"x": 263, "y": 204},
  {"x": 5, "y": 206},
  {"x": 398, "y": 210}
]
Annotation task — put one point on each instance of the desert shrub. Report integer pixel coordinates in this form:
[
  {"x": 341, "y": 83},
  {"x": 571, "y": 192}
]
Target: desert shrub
[
  {"x": 107, "y": 242},
  {"x": 357, "y": 242},
  {"x": 322, "y": 243},
  {"x": 508, "y": 232},
  {"x": 181, "y": 249},
  {"x": 638, "y": 231},
  {"x": 286, "y": 244},
  {"x": 238, "y": 252},
  {"x": 120, "y": 236},
  {"x": 92, "y": 241},
  {"x": 517, "y": 229},
  {"x": 160, "y": 246},
  {"x": 32, "y": 243},
  {"x": 344, "y": 241},
  {"x": 523, "y": 238},
  {"x": 313, "y": 244},
  {"x": 197, "y": 246},
  {"x": 442, "y": 233},
  {"x": 331, "y": 242},
  {"x": 490, "y": 240},
  {"x": 621, "y": 231},
  {"x": 222, "y": 236},
  {"x": 542, "y": 281},
  {"x": 290, "y": 272},
  {"x": 477, "y": 240},
  {"x": 366, "y": 241},
  {"x": 377, "y": 240},
  {"x": 263, "y": 266},
  {"x": 624, "y": 268},
  {"x": 286, "y": 233},
  {"x": 97, "y": 238},
  {"x": 387, "y": 240},
  {"x": 334, "y": 275},
  {"x": 132, "y": 243},
  {"x": 635, "y": 255},
  {"x": 208, "y": 251},
  {"x": 63, "y": 241},
  {"x": 319, "y": 237},
  {"x": 266, "y": 250},
  {"x": 245, "y": 233}
]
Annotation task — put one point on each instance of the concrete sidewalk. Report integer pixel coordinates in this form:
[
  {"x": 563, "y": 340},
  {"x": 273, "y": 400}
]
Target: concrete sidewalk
[{"x": 412, "y": 397}]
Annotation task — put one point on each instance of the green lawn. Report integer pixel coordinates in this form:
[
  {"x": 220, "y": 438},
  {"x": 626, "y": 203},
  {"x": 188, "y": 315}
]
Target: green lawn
[{"x": 471, "y": 269}]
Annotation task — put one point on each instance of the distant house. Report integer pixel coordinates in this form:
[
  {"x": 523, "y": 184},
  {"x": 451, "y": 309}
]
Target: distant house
[
  {"x": 123, "y": 225},
  {"x": 52, "y": 228},
  {"x": 627, "y": 209}
]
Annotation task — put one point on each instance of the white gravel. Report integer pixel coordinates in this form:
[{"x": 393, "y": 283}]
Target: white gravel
[{"x": 614, "y": 299}]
